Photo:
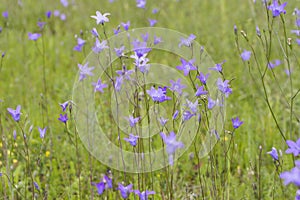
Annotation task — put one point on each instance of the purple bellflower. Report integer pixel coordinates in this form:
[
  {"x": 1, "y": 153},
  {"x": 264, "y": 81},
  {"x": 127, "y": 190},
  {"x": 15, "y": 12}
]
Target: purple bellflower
[
  {"x": 133, "y": 121},
  {"x": 15, "y": 113},
  {"x": 171, "y": 145},
  {"x": 64, "y": 105},
  {"x": 80, "y": 44},
  {"x": 34, "y": 36},
  {"x": 203, "y": 78},
  {"x": 200, "y": 91},
  {"x": 224, "y": 87},
  {"x": 218, "y": 67},
  {"x": 95, "y": 32},
  {"x": 158, "y": 95},
  {"x": 294, "y": 147},
  {"x": 275, "y": 63},
  {"x": 273, "y": 153},
  {"x": 126, "y": 25},
  {"x": 99, "y": 86},
  {"x": 143, "y": 195},
  {"x": 245, "y": 55},
  {"x": 152, "y": 22},
  {"x": 186, "y": 66},
  {"x": 176, "y": 86},
  {"x": 187, "y": 41},
  {"x": 292, "y": 176},
  {"x": 84, "y": 71},
  {"x": 63, "y": 118},
  {"x": 276, "y": 8},
  {"x": 5, "y": 14},
  {"x": 157, "y": 40},
  {"x": 100, "y": 19},
  {"x": 236, "y": 123},
  {"x": 141, "y": 3},
  {"x": 124, "y": 72},
  {"x": 99, "y": 46},
  {"x": 42, "y": 132},
  {"x": 132, "y": 139},
  {"x": 105, "y": 184},
  {"x": 125, "y": 190},
  {"x": 211, "y": 103}
]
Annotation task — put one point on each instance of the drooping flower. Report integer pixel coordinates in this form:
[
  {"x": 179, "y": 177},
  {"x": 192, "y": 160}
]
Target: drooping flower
[
  {"x": 143, "y": 195},
  {"x": 48, "y": 14},
  {"x": 95, "y": 32},
  {"x": 175, "y": 115},
  {"x": 158, "y": 95},
  {"x": 132, "y": 139},
  {"x": 224, "y": 87},
  {"x": 186, "y": 66},
  {"x": 187, "y": 41},
  {"x": 34, "y": 36},
  {"x": 100, "y": 19},
  {"x": 85, "y": 70},
  {"x": 36, "y": 185},
  {"x": 273, "y": 153},
  {"x": 171, "y": 145},
  {"x": 125, "y": 190},
  {"x": 63, "y": 118},
  {"x": 276, "y": 8},
  {"x": 64, "y": 105},
  {"x": 294, "y": 147},
  {"x": 15, "y": 113},
  {"x": 258, "y": 33},
  {"x": 203, "y": 78},
  {"x": 99, "y": 86},
  {"x": 99, "y": 46},
  {"x": 236, "y": 123},
  {"x": 42, "y": 132},
  {"x": 245, "y": 55},
  {"x": 177, "y": 86}
]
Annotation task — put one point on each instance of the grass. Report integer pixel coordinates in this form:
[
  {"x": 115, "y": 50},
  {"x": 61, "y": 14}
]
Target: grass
[{"x": 60, "y": 163}]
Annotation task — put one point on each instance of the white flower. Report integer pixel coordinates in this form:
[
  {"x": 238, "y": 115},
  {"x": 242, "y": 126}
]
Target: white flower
[{"x": 100, "y": 18}]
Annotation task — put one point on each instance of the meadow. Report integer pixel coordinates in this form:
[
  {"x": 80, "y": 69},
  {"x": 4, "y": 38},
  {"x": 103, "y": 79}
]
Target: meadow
[{"x": 50, "y": 148}]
